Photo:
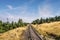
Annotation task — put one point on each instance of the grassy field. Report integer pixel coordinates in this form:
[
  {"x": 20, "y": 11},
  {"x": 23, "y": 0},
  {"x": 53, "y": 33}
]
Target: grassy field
[
  {"x": 15, "y": 34},
  {"x": 48, "y": 29}
]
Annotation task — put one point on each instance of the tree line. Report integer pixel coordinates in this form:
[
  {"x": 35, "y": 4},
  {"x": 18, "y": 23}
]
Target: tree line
[
  {"x": 46, "y": 20},
  {"x": 5, "y": 26}
]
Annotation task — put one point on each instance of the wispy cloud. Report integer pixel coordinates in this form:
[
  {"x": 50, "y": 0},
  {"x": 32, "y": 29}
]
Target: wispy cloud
[
  {"x": 16, "y": 13},
  {"x": 10, "y": 6},
  {"x": 15, "y": 18},
  {"x": 45, "y": 11}
]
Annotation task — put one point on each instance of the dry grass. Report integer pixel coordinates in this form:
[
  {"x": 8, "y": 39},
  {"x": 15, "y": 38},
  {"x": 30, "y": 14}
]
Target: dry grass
[
  {"x": 50, "y": 28},
  {"x": 15, "y": 34}
]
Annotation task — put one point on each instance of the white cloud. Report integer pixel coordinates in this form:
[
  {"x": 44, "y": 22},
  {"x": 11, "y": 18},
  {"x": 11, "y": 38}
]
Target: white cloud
[
  {"x": 13, "y": 17},
  {"x": 45, "y": 11},
  {"x": 16, "y": 18},
  {"x": 10, "y": 6},
  {"x": 16, "y": 13},
  {"x": 5, "y": 15}
]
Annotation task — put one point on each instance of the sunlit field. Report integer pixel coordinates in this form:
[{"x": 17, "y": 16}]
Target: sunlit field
[
  {"x": 15, "y": 34},
  {"x": 48, "y": 29}
]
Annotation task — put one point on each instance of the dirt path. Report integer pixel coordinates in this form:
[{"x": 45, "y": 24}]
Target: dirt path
[{"x": 29, "y": 34}]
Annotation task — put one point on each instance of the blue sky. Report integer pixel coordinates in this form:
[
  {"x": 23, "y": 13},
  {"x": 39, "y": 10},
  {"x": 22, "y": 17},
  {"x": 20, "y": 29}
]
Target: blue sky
[{"x": 28, "y": 10}]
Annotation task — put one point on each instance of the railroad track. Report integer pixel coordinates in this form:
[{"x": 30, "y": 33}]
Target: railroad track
[{"x": 33, "y": 35}]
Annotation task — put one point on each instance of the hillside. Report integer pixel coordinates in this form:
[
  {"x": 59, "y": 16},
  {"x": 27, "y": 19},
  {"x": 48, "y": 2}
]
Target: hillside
[
  {"x": 15, "y": 34},
  {"x": 49, "y": 29}
]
